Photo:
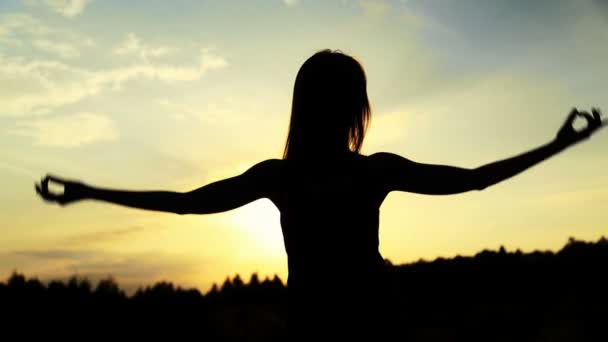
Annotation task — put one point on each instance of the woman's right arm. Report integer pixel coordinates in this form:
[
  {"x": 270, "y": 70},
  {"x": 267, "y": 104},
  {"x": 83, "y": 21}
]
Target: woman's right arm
[
  {"x": 400, "y": 174},
  {"x": 219, "y": 196}
]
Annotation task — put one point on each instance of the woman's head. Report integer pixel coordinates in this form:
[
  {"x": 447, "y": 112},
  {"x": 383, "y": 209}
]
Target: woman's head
[{"x": 330, "y": 109}]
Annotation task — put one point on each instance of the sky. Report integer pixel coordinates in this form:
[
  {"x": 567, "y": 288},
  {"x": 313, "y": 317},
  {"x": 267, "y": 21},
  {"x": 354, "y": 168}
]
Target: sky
[{"x": 172, "y": 95}]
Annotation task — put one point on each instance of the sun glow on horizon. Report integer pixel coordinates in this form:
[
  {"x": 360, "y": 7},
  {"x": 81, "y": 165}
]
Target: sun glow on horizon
[{"x": 260, "y": 221}]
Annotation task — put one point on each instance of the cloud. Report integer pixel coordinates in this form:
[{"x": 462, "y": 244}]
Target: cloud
[
  {"x": 55, "y": 254},
  {"x": 19, "y": 29},
  {"x": 163, "y": 72},
  {"x": 68, "y": 131},
  {"x": 40, "y": 86},
  {"x": 17, "y": 22},
  {"x": 120, "y": 266},
  {"x": 133, "y": 46},
  {"x": 109, "y": 235},
  {"x": 63, "y": 50},
  {"x": 67, "y": 8},
  {"x": 209, "y": 60}
]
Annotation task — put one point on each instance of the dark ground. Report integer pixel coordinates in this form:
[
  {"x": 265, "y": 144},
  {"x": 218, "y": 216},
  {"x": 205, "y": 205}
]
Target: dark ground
[{"x": 492, "y": 296}]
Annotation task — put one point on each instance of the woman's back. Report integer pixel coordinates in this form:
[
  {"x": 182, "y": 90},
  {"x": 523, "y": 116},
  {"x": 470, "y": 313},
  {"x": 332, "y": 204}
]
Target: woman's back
[
  {"x": 329, "y": 217},
  {"x": 329, "y": 213}
]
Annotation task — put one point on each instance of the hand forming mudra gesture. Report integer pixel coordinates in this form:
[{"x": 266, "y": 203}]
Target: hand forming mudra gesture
[
  {"x": 569, "y": 136},
  {"x": 72, "y": 190}
]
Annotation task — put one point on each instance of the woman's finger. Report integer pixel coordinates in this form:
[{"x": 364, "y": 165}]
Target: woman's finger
[
  {"x": 571, "y": 117},
  {"x": 45, "y": 194},
  {"x": 597, "y": 115},
  {"x": 44, "y": 184},
  {"x": 592, "y": 123},
  {"x": 40, "y": 191},
  {"x": 56, "y": 179},
  {"x": 587, "y": 116}
]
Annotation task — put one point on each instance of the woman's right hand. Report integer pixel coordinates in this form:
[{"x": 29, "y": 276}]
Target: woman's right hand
[
  {"x": 72, "y": 190},
  {"x": 567, "y": 135}
]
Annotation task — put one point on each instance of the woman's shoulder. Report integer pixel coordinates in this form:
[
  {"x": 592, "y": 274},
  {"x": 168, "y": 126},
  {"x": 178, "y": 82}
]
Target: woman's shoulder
[
  {"x": 382, "y": 156},
  {"x": 384, "y": 164},
  {"x": 374, "y": 160},
  {"x": 268, "y": 166},
  {"x": 380, "y": 159},
  {"x": 270, "y": 163},
  {"x": 383, "y": 159}
]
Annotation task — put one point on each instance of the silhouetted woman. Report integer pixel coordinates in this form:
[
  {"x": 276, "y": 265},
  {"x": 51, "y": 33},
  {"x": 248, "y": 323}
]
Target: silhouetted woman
[{"x": 329, "y": 196}]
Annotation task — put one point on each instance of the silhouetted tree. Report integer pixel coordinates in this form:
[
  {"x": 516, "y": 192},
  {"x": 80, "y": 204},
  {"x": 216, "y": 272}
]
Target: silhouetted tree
[{"x": 494, "y": 296}]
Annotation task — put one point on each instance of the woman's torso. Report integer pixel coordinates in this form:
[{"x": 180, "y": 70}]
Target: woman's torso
[{"x": 329, "y": 218}]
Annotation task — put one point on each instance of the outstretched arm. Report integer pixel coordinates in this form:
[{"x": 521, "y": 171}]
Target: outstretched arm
[
  {"x": 215, "y": 197},
  {"x": 401, "y": 174}
]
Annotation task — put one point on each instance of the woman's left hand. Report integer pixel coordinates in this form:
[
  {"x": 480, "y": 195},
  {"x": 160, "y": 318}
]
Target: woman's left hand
[{"x": 567, "y": 135}]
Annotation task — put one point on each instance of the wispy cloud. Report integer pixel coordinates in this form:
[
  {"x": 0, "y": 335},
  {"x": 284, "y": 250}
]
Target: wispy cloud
[
  {"x": 54, "y": 254},
  {"x": 40, "y": 86},
  {"x": 41, "y": 83},
  {"x": 18, "y": 22},
  {"x": 63, "y": 50},
  {"x": 132, "y": 46},
  {"x": 155, "y": 71},
  {"x": 67, "y": 8},
  {"x": 99, "y": 237},
  {"x": 68, "y": 131},
  {"x": 20, "y": 29}
]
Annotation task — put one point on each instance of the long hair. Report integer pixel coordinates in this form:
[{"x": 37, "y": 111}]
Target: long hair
[{"x": 330, "y": 109}]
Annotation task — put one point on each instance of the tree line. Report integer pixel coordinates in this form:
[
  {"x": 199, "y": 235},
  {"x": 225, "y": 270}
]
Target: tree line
[{"x": 494, "y": 295}]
